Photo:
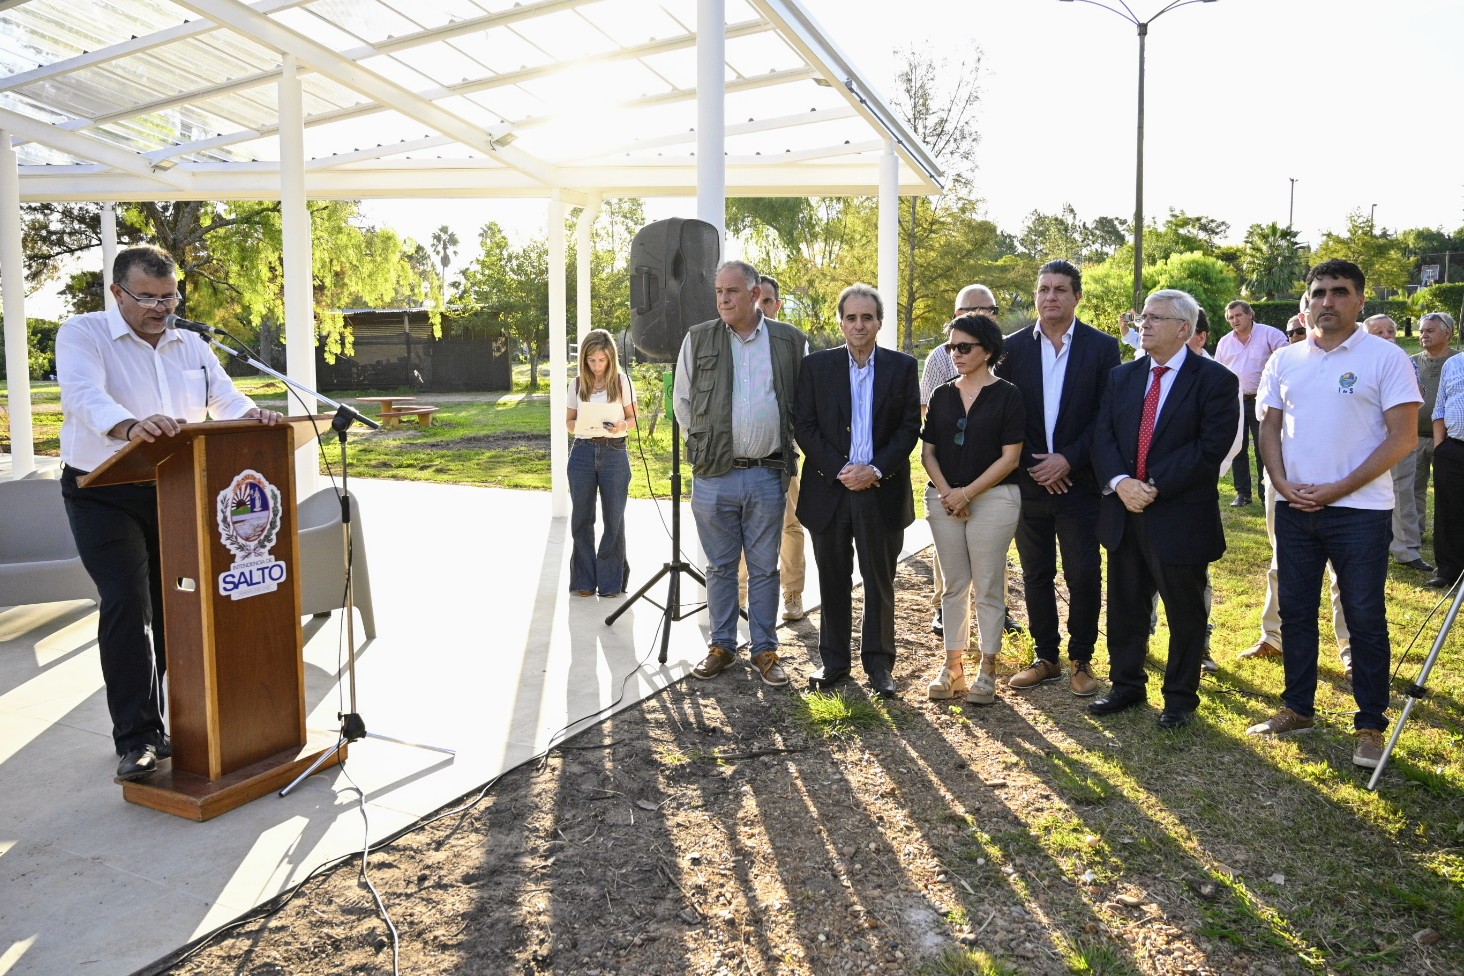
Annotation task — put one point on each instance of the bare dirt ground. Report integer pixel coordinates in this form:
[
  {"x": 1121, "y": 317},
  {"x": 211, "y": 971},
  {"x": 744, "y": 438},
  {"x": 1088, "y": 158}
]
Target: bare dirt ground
[{"x": 717, "y": 829}]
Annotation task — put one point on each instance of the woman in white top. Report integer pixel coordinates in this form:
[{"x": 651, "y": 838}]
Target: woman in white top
[{"x": 598, "y": 463}]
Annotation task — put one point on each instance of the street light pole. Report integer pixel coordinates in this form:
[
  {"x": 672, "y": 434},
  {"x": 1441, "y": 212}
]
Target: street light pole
[
  {"x": 1291, "y": 210},
  {"x": 1143, "y": 29}
]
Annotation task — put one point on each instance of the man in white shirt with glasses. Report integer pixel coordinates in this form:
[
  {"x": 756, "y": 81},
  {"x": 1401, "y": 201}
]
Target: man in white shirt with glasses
[{"x": 126, "y": 376}]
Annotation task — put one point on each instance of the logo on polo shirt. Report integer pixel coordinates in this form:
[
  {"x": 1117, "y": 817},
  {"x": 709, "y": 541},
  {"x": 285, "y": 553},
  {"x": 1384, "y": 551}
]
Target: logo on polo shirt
[{"x": 1346, "y": 382}]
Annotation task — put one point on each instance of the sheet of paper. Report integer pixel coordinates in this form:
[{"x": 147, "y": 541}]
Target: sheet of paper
[{"x": 591, "y": 418}]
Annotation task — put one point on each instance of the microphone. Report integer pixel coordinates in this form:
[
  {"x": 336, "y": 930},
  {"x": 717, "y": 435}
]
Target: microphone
[{"x": 172, "y": 321}]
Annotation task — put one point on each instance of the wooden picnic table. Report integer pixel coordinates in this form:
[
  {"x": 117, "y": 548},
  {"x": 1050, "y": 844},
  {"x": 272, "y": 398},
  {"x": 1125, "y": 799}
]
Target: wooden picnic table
[{"x": 387, "y": 403}]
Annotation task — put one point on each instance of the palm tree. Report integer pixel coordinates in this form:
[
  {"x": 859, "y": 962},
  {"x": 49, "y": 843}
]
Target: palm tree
[
  {"x": 1272, "y": 260},
  {"x": 444, "y": 245}
]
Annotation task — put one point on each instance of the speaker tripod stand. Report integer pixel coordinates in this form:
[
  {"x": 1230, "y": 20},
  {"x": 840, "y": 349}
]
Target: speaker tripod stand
[
  {"x": 671, "y": 610},
  {"x": 1418, "y": 690}
]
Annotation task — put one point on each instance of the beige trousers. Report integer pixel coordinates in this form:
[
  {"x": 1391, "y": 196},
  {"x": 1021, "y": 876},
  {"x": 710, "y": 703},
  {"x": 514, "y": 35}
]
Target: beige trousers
[{"x": 973, "y": 557}]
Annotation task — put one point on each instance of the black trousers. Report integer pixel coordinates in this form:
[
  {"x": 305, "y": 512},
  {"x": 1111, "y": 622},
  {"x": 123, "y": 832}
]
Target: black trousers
[
  {"x": 1135, "y": 575},
  {"x": 857, "y": 523},
  {"x": 1448, "y": 472},
  {"x": 1068, "y": 523},
  {"x": 1250, "y": 433},
  {"x": 116, "y": 531}
]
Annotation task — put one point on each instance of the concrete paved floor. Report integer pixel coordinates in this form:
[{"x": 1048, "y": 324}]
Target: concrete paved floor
[{"x": 480, "y": 649}]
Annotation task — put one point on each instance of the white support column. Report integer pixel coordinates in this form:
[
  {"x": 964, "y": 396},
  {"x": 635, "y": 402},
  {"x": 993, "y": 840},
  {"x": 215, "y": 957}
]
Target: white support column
[
  {"x": 584, "y": 246},
  {"x": 889, "y": 244},
  {"x": 298, "y": 261},
  {"x": 558, "y": 352},
  {"x": 12, "y": 283},
  {"x": 711, "y": 109},
  {"x": 109, "y": 251}
]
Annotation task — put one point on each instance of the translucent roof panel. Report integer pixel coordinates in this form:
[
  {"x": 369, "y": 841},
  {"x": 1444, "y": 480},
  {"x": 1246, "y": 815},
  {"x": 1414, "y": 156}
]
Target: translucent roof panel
[{"x": 150, "y": 99}]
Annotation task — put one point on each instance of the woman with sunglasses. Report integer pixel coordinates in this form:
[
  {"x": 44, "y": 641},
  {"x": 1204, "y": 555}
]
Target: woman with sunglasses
[{"x": 973, "y": 442}]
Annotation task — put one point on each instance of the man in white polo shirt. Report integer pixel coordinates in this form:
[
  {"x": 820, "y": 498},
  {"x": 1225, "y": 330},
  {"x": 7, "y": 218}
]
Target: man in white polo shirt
[{"x": 1341, "y": 410}]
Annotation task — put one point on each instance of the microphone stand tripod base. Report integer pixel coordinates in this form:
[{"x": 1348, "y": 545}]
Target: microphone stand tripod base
[{"x": 199, "y": 798}]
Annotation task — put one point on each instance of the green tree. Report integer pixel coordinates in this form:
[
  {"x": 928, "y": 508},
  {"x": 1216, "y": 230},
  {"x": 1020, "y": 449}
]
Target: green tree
[
  {"x": 40, "y": 337},
  {"x": 1380, "y": 255},
  {"x": 1272, "y": 262},
  {"x": 445, "y": 245},
  {"x": 508, "y": 287},
  {"x": 1108, "y": 287},
  {"x": 939, "y": 102}
]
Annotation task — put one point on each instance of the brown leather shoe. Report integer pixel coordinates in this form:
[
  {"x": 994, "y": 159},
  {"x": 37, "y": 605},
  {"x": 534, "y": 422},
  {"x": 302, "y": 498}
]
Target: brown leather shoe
[
  {"x": 1037, "y": 673},
  {"x": 1262, "y": 649},
  {"x": 1083, "y": 683},
  {"x": 772, "y": 672},
  {"x": 718, "y": 659}
]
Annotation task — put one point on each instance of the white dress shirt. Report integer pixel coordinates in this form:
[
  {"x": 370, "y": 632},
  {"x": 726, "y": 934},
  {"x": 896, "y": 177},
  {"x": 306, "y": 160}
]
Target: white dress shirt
[
  {"x": 109, "y": 374},
  {"x": 1054, "y": 371}
]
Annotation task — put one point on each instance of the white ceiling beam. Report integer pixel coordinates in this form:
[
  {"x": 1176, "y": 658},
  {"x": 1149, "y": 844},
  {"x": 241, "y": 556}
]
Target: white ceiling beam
[
  {"x": 363, "y": 155},
  {"x": 346, "y": 72},
  {"x": 509, "y": 78},
  {"x": 87, "y": 147},
  {"x": 131, "y": 46},
  {"x": 837, "y": 113}
]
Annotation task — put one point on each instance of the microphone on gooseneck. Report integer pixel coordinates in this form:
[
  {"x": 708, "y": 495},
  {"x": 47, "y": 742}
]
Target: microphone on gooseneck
[{"x": 174, "y": 322}]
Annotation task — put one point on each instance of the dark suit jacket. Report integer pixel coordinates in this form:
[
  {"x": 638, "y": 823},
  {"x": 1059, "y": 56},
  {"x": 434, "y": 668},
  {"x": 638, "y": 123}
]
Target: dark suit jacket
[
  {"x": 821, "y": 423},
  {"x": 1194, "y": 432},
  {"x": 1093, "y": 354}
]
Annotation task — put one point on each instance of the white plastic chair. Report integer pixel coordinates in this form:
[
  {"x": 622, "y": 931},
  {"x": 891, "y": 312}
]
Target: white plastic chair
[
  {"x": 38, "y": 560},
  {"x": 322, "y": 569}
]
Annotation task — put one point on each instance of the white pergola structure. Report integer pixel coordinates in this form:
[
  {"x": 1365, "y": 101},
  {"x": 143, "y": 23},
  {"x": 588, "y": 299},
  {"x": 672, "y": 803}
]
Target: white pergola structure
[{"x": 570, "y": 101}]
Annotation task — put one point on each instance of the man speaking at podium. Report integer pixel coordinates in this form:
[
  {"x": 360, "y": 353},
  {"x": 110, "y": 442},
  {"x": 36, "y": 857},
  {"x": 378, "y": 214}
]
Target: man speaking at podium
[{"x": 125, "y": 376}]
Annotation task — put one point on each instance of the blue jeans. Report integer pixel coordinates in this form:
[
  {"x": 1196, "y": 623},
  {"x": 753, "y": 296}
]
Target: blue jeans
[
  {"x": 1356, "y": 541},
  {"x": 603, "y": 467},
  {"x": 741, "y": 511}
]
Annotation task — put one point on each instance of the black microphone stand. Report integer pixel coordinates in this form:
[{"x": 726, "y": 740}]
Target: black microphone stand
[
  {"x": 670, "y": 611},
  {"x": 353, "y": 727}
]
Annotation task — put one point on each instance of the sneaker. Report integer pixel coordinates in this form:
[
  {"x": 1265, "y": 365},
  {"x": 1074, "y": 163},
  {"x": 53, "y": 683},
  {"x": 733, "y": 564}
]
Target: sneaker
[
  {"x": 1037, "y": 673},
  {"x": 983, "y": 692},
  {"x": 793, "y": 607},
  {"x": 1082, "y": 681},
  {"x": 768, "y": 667},
  {"x": 718, "y": 659},
  {"x": 1369, "y": 751},
  {"x": 947, "y": 684},
  {"x": 1284, "y": 722}
]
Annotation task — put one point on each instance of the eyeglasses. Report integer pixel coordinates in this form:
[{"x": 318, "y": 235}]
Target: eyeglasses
[
  {"x": 964, "y": 348},
  {"x": 1157, "y": 318},
  {"x": 987, "y": 309},
  {"x": 173, "y": 299},
  {"x": 960, "y": 431}
]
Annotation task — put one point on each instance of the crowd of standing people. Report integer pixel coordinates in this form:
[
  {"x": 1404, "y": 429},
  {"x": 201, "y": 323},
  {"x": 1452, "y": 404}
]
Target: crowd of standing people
[{"x": 1042, "y": 437}]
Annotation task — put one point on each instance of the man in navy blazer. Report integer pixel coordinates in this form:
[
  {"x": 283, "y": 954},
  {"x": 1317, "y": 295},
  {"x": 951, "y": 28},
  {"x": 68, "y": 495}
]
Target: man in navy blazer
[
  {"x": 1061, "y": 366},
  {"x": 1166, "y": 424},
  {"x": 856, "y": 416}
]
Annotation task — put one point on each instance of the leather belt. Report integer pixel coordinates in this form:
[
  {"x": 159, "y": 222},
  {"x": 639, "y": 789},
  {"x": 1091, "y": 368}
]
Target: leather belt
[
  {"x": 612, "y": 441},
  {"x": 771, "y": 461}
]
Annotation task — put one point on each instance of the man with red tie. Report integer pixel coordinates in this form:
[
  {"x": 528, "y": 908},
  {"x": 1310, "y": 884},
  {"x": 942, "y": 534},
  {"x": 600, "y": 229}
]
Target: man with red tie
[{"x": 1166, "y": 424}]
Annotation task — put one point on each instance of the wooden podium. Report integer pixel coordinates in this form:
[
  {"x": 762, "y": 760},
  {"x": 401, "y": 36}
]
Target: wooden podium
[{"x": 231, "y": 609}]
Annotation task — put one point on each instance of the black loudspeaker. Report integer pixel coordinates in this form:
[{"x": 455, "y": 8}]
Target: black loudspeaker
[{"x": 673, "y": 264}]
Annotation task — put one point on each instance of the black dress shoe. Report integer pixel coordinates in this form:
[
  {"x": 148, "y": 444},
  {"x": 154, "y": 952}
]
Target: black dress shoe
[
  {"x": 165, "y": 747},
  {"x": 882, "y": 683},
  {"x": 1115, "y": 701},
  {"x": 937, "y": 625},
  {"x": 1176, "y": 719},
  {"x": 1012, "y": 625},
  {"x": 1438, "y": 583},
  {"x": 139, "y": 761},
  {"x": 1240, "y": 501},
  {"x": 825, "y": 678},
  {"x": 1420, "y": 564}
]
